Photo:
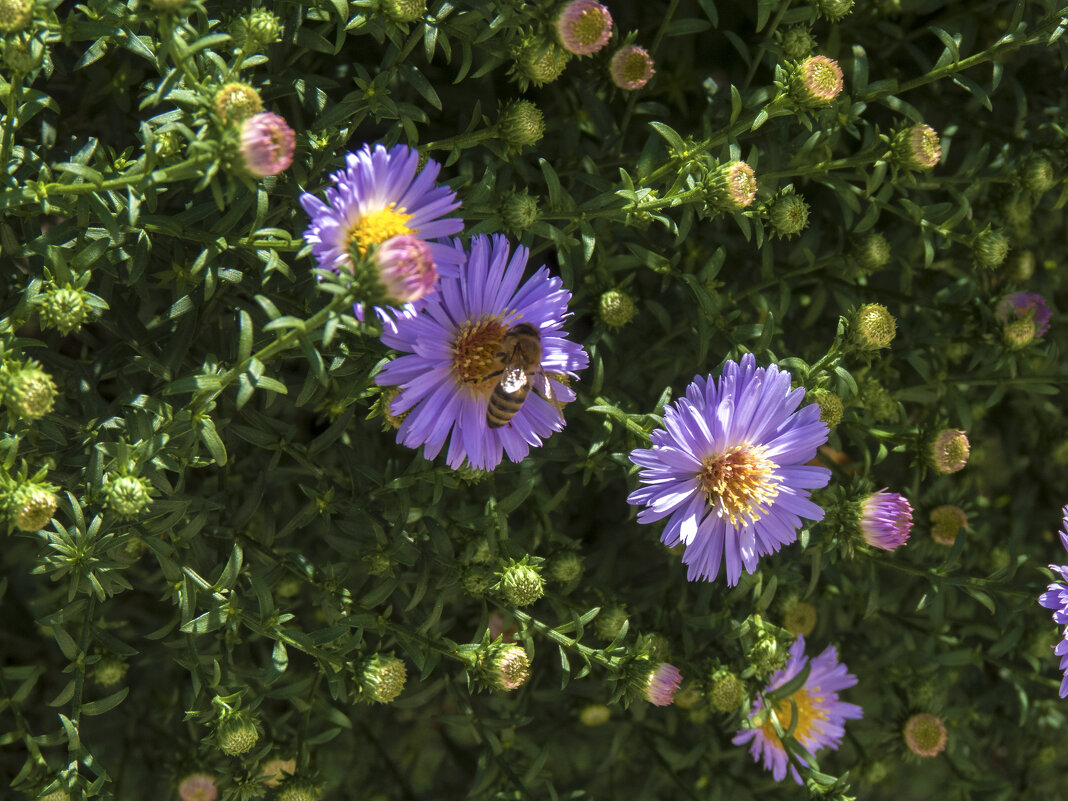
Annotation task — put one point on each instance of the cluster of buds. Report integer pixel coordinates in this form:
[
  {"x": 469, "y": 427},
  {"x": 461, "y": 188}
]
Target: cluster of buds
[
  {"x": 27, "y": 390},
  {"x": 631, "y": 68},
  {"x": 127, "y": 496},
  {"x": 381, "y": 679},
  {"x": 948, "y": 451},
  {"x": 615, "y": 308},
  {"x": 946, "y": 523},
  {"x": 872, "y": 327},
  {"x": 520, "y": 582},
  {"x": 521, "y": 124},
  {"x": 730, "y": 187}
]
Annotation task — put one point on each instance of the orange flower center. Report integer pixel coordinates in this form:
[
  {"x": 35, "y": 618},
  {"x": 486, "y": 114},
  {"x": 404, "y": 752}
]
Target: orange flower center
[
  {"x": 740, "y": 482},
  {"x": 809, "y": 713},
  {"x": 475, "y": 352}
]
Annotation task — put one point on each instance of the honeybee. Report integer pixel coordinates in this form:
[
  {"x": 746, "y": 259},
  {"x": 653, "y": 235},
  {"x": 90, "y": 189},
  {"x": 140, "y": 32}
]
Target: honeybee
[{"x": 520, "y": 360}]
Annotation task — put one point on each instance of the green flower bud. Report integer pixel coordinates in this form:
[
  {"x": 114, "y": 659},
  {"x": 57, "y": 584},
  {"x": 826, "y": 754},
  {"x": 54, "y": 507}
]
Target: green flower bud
[
  {"x": 595, "y": 715},
  {"x": 879, "y": 402},
  {"x": 30, "y": 392},
  {"x": 382, "y": 678},
  {"x": 168, "y": 145},
  {"x": 64, "y": 309},
  {"x": 917, "y": 147},
  {"x": 300, "y": 790},
  {"x": 833, "y": 10},
  {"x": 609, "y": 622},
  {"x": 32, "y": 507},
  {"x": 540, "y": 61},
  {"x": 990, "y": 248},
  {"x": 476, "y": 580},
  {"x": 109, "y": 671},
  {"x": 731, "y": 186},
  {"x": 255, "y": 30},
  {"x": 15, "y": 15},
  {"x": 1017, "y": 210},
  {"x": 872, "y": 254},
  {"x": 1019, "y": 334},
  {"x": 519, "y": 211},
  {"x": 873, "y": 327},
  {"x": 236, "y": 733},
  {"x": 830, "y": 406},
  {"x": 402, "y": 11},
  {"x": 521, "y": 583},
  {"x": 235, "y": 102},
  {"x": 23, "y": 56},
  {"x": 788, "y": 215},
  {"x": 509, "y": 668},
  {"x": 616, "y": 308},
  {"x": 797, "y": 42},
  {"x": 801, "y": 619},
  {"x": 521, "y": 124},
  {"x": 1021, "y": 267},
  {"x": 1038, "y": 175},
  {"x": 726, "y": 692},
  {"x": 566, "y": 567},
  {"x": 127, "y": 496}
]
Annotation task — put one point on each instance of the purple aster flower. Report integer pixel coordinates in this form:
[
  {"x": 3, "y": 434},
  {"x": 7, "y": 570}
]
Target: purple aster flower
[
  {"x": 821, "y": 716},
  {"x": 381, "y": 194},
  {"x": 1023, "y": 305},
  {"x": 453, "y": 358},
  {"x": 885, "y": 520},
  {"x": 1056, "y": 598},
  {"x": 730, "y": 469}
]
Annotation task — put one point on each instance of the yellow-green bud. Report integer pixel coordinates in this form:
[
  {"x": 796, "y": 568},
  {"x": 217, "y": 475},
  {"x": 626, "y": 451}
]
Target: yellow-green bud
[
  {"x": 168, "y": 145},
  {"x": 797, "y": 42},
  {"x": 830, "y": 406},
  {"x": 609, "y": 622},
  {"x": 476, "y": 580},
  {"x": 788, "y": 215},
  {"x": 801, "y": 619},
  {"x": 383, "y": 678},
  {"x": 727, "y": 693},
  {"x": 30, "y": 392},
  {"x": 731, "y": 186},
  {"x": 833, "y": 10},
  {"x": 521, "y": 584},
  {"x": 873, "y": 327},
  {"x": 300, "y": 790},
  {"x": 1022, "y": 266},
  {"x": 127, "y": 496},
  {"x": 521, "y": 124},
  {"x": 616, "y": 308},
  {"x": 1038, "y": 174},
  {"x": 404, "y": 10},
  {"x": 109, "y": 671},
  {"x": 64, "y": 309},
  {"x": 595, "y": 715},
  {"x": 1019, "y": 334},
  {"x": 256, "y": 29},
  {"x": 510, "y": 668},
  {"x": 15, "y": 15},
  {"x": 879, "y": 402},
  {"x": 872, "y": 254},
  {"x": 990, "y": 249},
  {"x": 946, "y": 523},
  {"x": 917, "y": 147},
  {"x": 32, "y": 507},
  {"x": 566, "y": 567},
  {"x": 22, "y": 56},
  {"x": 519, "y": 211},
  {"x": 236, "y": 102},
  {"x": 237, "y": 733},
  {"x": 540, "y": 61}
]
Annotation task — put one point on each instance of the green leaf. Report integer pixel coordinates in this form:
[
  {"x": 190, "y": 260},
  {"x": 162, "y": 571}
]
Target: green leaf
[{"x": 105, "y": 704}]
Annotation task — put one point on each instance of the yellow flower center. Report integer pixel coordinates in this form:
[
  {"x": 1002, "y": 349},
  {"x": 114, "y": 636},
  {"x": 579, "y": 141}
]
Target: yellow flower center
[
  {"x": 808, "y": 715},
  {"x": 475, "y": 352},
  {"x": 740, "y": 483},
  {"x": 376, "y": 227}
]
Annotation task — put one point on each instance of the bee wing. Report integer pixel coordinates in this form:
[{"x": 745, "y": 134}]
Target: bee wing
[
  {"x": 540, "y": 383},
  {"x": 513, "y": 379}
]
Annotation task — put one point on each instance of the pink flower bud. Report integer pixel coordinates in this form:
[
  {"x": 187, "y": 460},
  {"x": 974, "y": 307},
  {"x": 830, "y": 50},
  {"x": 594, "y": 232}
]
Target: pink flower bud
[
  {"x": 267, "y": 144},
  {"x": 631, "y": 67}
]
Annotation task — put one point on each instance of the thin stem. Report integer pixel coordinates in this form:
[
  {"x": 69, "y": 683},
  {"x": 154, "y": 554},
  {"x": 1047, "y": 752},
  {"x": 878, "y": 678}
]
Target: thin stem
[
  {"x": 14, "y": 91},
  {"x": 192, "y": 165},
  {"x": 632, "y": 101},
  {"x": 762, "y": 48},
  {"x": 592, "y": 654}
]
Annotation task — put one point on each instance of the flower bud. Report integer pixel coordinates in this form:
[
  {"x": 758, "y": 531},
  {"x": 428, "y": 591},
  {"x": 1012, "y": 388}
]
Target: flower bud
[
  {"x": 1038, "y": 175},
  {"x": 566, "y": 567},
  {"x": 595, "y": 715},
  {"x": 198, "y": 787},
  {"x": 609, "y": 622},
  {"x": 800, "y": 619},
  {"x": 833, "y": 10},
  {"x": 990, "y": 248},
  {"x": 816, "y": 82},
  {"x": 797, "y": 42},
  {"x": 405, "y": 269},
  {"x": 885, "y": 520},
  {"x": 383, "y": 407},
  {"x": 476, "y": 580},
  {"x": 519, "y": 211},
  {"x": 402, "y": 11},
  {"x": 788, "y": 215},
  {"x": 235, "y": 102},
  {"x": 872, "y": 254},
  {"x": 879, "y": 402},
  {"x": 616, "y": 308},
  {"x": 23, "y": 56},
  {"x": 277, "y": 771},
  {"x": 917, "y": 147},
  {"x": 521, "y": 124},
  {"x": 300, "y": 790},
  {"x": 766, "y": 656},
  {"x": 15, "y": 15},
  {"x": 1017, "y": 211},
  {"x": 510, "y": 668},
  {"x": 382, "y": 678},
  {"x": 32, "y": 506},
  {"x": 127, "y": 496},
  {"x": 925, "y": 735},
  {"x": 946, "y": 523},
  {"x": 30, "y": 392},
  {"x": 539, "y": 61},
  {"x": 830, "y": 406},
  {"x": 521, "y": 583},
  {"x": 662, "y": 683},
  {"x": 236, "y": 733},
  {"x": 267, "y": 144},
  {"x": 256, "y": 30},
  {"x": 631, "y": 68},
  {"x": 731, "y": 186},
  {"x": 584, "y": 27},
  {"x": 727, "y": 692},
  {"x": 109, "y": 671},
  {"x": 948, "y": 451},
  {"x": 1024, "y": 307},
  {"x": 873, "y": 327},
  {"x": 64, "y": 309},
  {"x": 1019, "y": 334}
]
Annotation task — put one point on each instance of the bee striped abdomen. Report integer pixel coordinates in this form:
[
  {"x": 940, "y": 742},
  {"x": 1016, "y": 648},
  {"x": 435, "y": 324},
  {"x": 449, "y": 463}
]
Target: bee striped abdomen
[{"x": 503, "y": 406}]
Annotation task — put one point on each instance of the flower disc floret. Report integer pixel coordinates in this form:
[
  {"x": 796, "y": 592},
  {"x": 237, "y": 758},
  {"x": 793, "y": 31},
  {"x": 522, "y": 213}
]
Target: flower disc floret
[
  {"x": 631, "y": 68},
  {"x": 729, "y": 469},
  {"x": 378, "y": 195},
  {"x": 584, "y": 27},
  {"x": 885, "y": 520},
  {"x": 821, "y": 716},
  {"x": 451, "y": 359},
  {"x": 267, "y": 144}
]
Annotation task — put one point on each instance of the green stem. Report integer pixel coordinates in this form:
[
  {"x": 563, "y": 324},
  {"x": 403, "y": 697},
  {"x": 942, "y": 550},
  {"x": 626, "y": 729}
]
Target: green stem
[
  {"x": 462, "y": 141},
  {"x": 859, "y": 160},
  {"x": 762, "y": 49},
  {"x": 14, "y": 91},
  {"x": 192, "y": 166},
  {"x": 592, "y": 654},
  {"x": 632, "y": 101}
]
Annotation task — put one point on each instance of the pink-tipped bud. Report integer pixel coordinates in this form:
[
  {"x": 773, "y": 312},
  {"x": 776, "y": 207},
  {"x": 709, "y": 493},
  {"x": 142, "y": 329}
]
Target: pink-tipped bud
[
  {"x": 949, "y": 450},
  {"x": 925, "y": 735},
  {"x": 946, "y": 523},
  {"x": 584, "y": 27},
  {"x": 511, "y": 667},
  {"x": 663, "y": 682},
  {"x": 917, "y": 147},
  {"x": 817, "y": 81},
  {"x": 267, "y": 144},
  {"x": 631, "y": 67},
  {"x": 198, "y": 787},
  {"x": 406, "y": 268}
]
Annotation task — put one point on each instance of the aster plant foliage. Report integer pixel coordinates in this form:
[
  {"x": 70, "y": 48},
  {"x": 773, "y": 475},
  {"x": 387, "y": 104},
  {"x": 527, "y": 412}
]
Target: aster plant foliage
[{"x": 490, "y": 400}]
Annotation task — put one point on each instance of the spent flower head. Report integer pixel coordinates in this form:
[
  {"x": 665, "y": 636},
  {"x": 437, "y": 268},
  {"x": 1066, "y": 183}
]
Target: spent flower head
[
  {"x": 946, "y": 522},
  {"x": 631, "y": 68},
  {"x": 925, "y": 735},
  {"x": 584, "y": 27}
]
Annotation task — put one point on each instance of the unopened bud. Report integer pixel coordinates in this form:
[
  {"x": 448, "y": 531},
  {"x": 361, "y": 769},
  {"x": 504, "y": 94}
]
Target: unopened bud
[
  {"x": 616, "y": 308},
  {"x": 23, "y": 56},
  {"x": 873, "y": 327},
  {"x": 800, "y": 619},
  {"x": 949, "y": 450},
  {"x": 1038, "y": 175},
  {"x": 300, "y": 790},
  {"x": 540, "y": 61},
  {"x": 917, "y": 147},
  {"x": 255, "y": 30},
  {"x": 879, "y": 402},
  {"x": 595, "y": 715},
  {"x": 64, "y": 309},
  {"x": 521, "y": 124},
  {"x": 833, "y": 10},
  {"x": 30, "y": 392},
  {"x": 277, "y": 771},
  {"x": 731, "y": 186},
  {"x": 872, "y": 254},
  {"x": 127, "y": 496},
  {"x": 403, "y": 11},
  {"x": 237, "y": 733},
  {"x": 788, "y": 215},
  {"x": 521, "y": 584},
  {"x": 566, "y": 567},
  {"x": 235, "y": 102},
  {"x": 816, "y": 82},
  {"x": 382, "y": 678},
  {"x": 797, "y": 42},
  {"x": 32, "y": 507},
  {"x": 519, "y": 212},
  {"x": 990, "y": 248},
  {"x": 584, "y": 27},
  {"x": 946, "y": 523},
  {"x": 610, "y": 621},
  {"x": 830, "y": 406},
  {"x": 727, "y": 692},
  {"x": 631, "y": 68},
  {"x": 198, "y": 787},
  {"x": 15, "y": 15},
  {"x": 1019, "y": 334},
  {"x": 511, "y": 667},
  {"x": 662, "y": 684},
  {"x": 109, "y": 671}
]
